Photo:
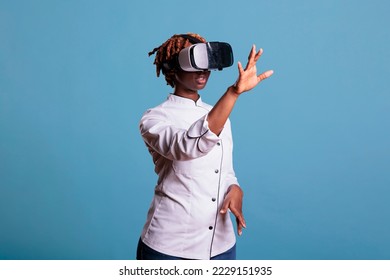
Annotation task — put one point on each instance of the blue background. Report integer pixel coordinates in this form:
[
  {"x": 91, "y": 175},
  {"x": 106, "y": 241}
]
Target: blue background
[{"x": 311, "y": 143}]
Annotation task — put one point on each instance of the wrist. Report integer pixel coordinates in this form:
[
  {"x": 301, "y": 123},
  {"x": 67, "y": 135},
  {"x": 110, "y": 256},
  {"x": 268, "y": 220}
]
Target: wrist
[
  {"x": 235, "y": 188},
  {"x": 233, "y": 90}
]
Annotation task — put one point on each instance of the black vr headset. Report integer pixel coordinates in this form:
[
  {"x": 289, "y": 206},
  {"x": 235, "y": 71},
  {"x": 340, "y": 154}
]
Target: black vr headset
[{"x": 202, "y": 56}]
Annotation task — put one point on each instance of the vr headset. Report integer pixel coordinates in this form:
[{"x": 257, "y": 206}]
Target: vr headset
[
  {"x": 206, "y": 56},
  {"x": 202, "y": 56}
]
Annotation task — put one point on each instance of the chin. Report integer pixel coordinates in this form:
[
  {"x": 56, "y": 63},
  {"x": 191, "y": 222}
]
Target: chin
[{"x": 201, "y": 87}]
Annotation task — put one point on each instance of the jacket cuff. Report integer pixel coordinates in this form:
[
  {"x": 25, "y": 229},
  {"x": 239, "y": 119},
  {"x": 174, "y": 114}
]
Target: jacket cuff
[{"x": 206, "y": 139}]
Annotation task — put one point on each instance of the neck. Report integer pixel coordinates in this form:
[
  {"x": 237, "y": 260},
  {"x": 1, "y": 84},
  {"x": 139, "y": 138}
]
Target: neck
[{"x": 190, "y": 94}]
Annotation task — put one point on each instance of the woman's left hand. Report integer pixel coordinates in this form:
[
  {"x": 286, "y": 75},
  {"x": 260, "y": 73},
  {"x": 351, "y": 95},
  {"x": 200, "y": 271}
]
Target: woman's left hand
[
  {"x": 248, "y": 78},
  {"x": 233, "y": 201}
]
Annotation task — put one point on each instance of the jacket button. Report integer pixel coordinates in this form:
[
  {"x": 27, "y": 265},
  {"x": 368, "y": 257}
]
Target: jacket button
[
  {"x": 216, "y": 170},
  {"x": 210, "y": 227},
  {"x": 213, "y": 199},
  {"x": 219, "y": 144}
]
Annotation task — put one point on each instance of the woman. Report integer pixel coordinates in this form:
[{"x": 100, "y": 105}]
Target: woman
[{"x": 191, "y": 146}]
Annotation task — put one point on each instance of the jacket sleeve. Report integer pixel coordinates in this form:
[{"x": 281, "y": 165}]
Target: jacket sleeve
[
  {"x": 230, "y": 178},
  {"x": 160, "y": 134}
]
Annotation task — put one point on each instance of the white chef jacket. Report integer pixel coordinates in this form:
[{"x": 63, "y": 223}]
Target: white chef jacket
[{"x": 195, "y": 169}]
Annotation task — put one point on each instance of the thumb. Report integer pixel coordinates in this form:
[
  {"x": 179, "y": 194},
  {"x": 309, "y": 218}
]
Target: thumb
[
  {"x": 224, "y": 208},
  {"x": 265, "y": 75}
]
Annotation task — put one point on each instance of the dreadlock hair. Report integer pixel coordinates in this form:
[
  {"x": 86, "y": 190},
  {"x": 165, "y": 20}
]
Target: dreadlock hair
[{"x": 168, "y": 52}]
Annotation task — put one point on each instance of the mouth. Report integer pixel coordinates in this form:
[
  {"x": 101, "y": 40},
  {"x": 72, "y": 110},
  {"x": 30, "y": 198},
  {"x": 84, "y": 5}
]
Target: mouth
[{"x": 201, "y": 79}]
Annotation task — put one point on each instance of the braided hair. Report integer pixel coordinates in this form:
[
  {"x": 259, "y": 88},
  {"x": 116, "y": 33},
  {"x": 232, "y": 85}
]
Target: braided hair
[{"x": 167, "y": 53}]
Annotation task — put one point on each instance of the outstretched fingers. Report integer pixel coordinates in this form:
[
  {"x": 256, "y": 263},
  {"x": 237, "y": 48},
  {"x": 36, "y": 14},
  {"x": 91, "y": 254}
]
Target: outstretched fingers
[
  {"x": 252, "y": 52},
  {"x": 258, "y": 54},
  {"x": 253, "y": 57},
  {"x": 240, "y": 68},
  {"x": 265, "y": 75},
  {"x": 248, "y": 77}
]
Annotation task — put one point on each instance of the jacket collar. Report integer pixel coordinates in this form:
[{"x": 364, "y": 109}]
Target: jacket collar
[{"x": 185, "y": 101}]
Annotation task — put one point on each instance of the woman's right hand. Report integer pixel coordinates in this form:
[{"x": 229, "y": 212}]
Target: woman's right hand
[{"x": 248, "y": 78}]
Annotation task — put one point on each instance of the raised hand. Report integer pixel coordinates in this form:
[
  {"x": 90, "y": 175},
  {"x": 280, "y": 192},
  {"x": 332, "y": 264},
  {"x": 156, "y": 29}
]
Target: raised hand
[{"x": 248, "y": 78}]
